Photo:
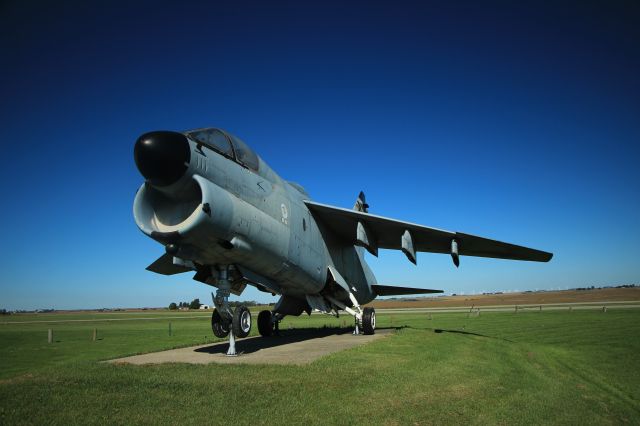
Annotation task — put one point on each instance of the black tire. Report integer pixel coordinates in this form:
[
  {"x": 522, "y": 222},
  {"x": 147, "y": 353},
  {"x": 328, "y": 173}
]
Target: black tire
[
  {"x": 265, "y": 326},
  {"x": 241, "y": 321},
  {"x": 369, "y": 321},
  {"x": 219, "y": 326}
]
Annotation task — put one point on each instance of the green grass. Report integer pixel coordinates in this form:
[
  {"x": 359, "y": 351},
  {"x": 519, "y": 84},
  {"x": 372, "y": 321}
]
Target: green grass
[{"x": 529, "y": 368}]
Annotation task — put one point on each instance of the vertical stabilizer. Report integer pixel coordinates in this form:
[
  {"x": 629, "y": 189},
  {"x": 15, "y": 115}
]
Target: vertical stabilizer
[{"x": 361, "y": 204}]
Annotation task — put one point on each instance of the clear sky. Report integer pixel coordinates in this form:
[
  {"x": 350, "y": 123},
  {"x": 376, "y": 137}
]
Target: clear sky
[{"x": 510, "y": 121}]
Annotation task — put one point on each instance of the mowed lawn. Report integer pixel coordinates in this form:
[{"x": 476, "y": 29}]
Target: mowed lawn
[{"x": 577, "y": 367}]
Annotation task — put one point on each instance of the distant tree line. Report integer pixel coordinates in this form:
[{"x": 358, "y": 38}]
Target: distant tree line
[
  {"x": 244, "y": 302},
  {"x": 195, "y": 304},
  {"x": 598, "y": 288}
]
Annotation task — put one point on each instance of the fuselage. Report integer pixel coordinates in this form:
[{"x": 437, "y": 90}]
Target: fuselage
[{"x": 213, "y": 204}]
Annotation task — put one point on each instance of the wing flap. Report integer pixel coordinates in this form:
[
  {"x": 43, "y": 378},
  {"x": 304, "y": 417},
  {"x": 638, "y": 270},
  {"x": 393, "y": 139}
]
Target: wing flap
[
  {"x": 388, "y": 290},
  {"x": 388, "y": 234}
]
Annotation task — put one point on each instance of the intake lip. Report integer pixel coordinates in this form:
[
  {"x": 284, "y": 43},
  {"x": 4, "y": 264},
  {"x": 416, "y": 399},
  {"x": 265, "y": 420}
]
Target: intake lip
[{"x": 162, "y": 157}]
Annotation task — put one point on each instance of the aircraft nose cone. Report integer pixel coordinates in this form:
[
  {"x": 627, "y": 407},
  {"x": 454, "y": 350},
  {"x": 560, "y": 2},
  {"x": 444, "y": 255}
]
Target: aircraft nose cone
[{"x": 162, "y": 156}]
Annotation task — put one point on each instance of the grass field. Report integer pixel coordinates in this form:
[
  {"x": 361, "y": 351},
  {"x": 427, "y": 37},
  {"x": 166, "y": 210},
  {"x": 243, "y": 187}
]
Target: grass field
[{"x": 526, "y": 368}]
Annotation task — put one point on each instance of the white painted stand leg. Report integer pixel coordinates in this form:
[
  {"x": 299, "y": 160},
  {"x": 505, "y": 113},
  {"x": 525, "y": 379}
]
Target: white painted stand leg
[{"x": 232, "y": 345}]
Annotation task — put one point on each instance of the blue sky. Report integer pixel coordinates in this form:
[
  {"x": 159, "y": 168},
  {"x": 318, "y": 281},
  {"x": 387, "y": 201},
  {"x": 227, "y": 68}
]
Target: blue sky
[{"x": 511, "y": 121}]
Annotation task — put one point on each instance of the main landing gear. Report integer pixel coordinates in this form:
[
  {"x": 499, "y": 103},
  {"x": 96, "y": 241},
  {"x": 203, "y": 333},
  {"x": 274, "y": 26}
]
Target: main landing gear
[
  {"x": 225, "y": 321},
  {"x": 366, "y": 323},
  {"x": 365, "y": 319},
  {"x": 268, "y": 323},
  {"x": 369, "y": 321}
]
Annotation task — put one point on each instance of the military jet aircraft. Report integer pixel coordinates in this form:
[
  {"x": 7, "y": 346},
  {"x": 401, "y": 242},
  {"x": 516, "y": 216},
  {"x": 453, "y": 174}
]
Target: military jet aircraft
[{"x": 221, "y": 211}]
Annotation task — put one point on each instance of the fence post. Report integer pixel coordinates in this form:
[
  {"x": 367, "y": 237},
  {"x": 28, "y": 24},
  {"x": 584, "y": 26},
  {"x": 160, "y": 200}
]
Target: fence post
[
  {"x": 169, "y": 328},
  {"x": 50, "y": 336},
  {"x": 95, "y": 334}
]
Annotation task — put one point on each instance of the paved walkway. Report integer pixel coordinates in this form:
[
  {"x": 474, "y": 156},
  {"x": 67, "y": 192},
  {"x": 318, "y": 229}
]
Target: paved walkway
[{"x": 300, "y": 346}]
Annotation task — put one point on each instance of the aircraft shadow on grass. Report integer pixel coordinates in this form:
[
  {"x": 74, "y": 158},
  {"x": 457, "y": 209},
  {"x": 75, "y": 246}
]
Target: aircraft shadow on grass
[
  {"x": 469, "y": 333},
  {"x": 286, "y": 337}
]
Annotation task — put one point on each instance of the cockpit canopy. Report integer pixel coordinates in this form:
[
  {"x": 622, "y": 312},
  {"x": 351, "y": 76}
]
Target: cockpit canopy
[{"x": 225, "y": 144}]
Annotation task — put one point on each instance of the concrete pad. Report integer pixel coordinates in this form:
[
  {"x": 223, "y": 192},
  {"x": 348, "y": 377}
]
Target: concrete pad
[{"x": 297, "y": 347}]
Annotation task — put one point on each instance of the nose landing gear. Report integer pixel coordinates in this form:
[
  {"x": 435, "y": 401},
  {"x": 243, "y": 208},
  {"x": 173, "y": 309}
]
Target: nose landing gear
[{"x": 225, "y": 321}]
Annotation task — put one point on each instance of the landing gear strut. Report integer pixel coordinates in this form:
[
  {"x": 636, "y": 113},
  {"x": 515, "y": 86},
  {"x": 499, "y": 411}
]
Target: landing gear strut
[
  {"x": 224, "y": 321},
  {"x": 365, "y": 319}
]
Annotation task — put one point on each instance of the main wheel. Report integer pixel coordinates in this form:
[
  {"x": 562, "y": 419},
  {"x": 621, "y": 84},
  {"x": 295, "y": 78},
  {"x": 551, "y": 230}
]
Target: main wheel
[
  {"x": 369, "y": 321},
  {"x": 241, "y": 321},
  {"x": 265, "y": 326},
  {"x": 219, "y": 326}
]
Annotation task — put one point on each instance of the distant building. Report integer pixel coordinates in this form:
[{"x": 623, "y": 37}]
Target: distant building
[{"x": 204, "y": 307}]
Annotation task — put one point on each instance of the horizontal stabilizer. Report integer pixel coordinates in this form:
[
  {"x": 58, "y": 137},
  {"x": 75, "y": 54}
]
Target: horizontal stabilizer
[
  {"x": 389, "y": 290},
  {"x": 164, "y": 265}
]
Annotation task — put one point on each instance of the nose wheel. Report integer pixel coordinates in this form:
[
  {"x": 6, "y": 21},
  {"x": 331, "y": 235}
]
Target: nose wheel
[
  {"x": 219, "y": 325},
  {"x": 241, "y": 321}
]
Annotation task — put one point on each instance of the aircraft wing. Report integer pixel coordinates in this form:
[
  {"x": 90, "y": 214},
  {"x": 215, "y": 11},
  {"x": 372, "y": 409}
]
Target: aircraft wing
[{"x": 375, "y": 232}]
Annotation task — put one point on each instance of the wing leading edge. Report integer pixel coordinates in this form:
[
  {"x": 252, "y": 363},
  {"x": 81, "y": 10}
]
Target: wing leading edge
[{"x": 375, "y": 232}]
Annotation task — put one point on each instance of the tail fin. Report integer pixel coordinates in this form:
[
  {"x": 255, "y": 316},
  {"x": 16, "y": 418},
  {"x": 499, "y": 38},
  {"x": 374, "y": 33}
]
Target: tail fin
[{"x": 361, "y": 204}]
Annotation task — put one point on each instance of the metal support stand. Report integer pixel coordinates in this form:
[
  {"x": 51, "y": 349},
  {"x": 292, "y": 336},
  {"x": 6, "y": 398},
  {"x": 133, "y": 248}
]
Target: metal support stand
[{"x": 232, "y": 345}]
